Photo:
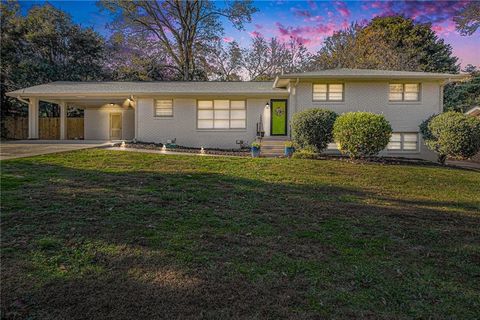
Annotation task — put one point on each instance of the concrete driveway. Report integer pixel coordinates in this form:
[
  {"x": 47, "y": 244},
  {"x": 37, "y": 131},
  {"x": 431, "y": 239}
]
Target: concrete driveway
[{"x": 28, "y": 148}]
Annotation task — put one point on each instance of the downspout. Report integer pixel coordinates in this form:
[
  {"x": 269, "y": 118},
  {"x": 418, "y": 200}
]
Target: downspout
[
  {"x": 135, "y": 113},
  {"x": 296, "y": 83},
  {"x": 295, "y": 108}
]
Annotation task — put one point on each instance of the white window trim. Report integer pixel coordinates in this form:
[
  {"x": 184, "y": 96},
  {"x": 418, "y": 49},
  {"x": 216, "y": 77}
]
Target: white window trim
[
  {"x": 229, "y": 117},
  {"x": 405, "y": 102},
  {"x": 402, "y": 150},
  {"x": 163, "y": 117},
  {"x": 328, "y": 90}
]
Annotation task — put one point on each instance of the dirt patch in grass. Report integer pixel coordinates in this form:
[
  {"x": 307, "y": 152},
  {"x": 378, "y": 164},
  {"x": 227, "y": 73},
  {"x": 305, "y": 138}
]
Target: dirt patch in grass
[{"x": 102, "y": 234}]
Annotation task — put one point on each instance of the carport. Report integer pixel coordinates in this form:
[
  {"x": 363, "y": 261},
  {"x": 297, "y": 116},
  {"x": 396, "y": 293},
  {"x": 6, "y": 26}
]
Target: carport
[{"x": 109, "y": 111}]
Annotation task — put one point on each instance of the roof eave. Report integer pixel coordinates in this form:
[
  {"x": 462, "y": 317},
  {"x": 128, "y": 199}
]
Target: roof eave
[{"x": 16, "y": 94}]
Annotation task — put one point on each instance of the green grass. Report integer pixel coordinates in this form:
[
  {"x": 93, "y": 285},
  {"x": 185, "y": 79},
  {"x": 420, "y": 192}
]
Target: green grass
[{"x": 101, "y": 234}]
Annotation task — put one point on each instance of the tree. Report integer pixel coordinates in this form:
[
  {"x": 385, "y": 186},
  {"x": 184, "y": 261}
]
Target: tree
[
  {"x": 224, "y": 62},
  {"x": 137, "y": 58},
  {"x": 452, "y": 134},
  {"x": 45, "y": 46},
  {"x": 185, "y": 29},
  {"x": 263, "y": 60},
  {"x": 461, "y": 96},
  {"x": 390, "y": 43},
  {"x": 11, "y": 51},
  {"x": 468, "y": 20}
]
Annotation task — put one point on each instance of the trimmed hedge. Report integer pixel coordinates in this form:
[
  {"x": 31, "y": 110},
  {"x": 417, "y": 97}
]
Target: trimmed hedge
[
  {"x": 313, "y": 128},
  {"x": 452, "y": 134},
  {"x": 361, "y": 134}
]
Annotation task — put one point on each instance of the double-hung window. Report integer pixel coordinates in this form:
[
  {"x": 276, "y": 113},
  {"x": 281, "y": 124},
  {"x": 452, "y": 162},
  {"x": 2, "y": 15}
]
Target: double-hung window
[
  {"x": 404, "y": 92},
  {"x": 221, "y": 114},
  {"x": 163, "y": 108},
  {"x": 401, "y": 141},
  {"x": 328, "y": 92}
]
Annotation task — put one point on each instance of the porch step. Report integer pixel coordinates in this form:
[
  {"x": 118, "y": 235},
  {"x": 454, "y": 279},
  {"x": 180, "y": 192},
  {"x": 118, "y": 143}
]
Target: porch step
[{"x": 273, "y": 146}]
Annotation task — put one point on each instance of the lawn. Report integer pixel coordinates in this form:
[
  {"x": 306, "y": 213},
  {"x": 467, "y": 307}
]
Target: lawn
[{"x": 122, "y": 235}]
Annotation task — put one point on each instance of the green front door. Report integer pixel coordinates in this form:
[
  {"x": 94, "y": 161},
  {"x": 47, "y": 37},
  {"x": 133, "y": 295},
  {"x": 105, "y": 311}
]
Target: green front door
[{"x": 278, "y": 111}]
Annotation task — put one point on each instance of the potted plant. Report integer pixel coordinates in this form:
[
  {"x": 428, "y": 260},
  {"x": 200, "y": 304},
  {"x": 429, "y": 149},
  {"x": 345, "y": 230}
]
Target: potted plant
[
  {"x": 289, "y": 148},
  {"x": 255, "y": 148}
]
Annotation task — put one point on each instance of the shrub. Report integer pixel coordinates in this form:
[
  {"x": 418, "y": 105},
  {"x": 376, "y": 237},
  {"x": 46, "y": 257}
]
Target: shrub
[
  {"x": 313, "y": 128},
  {"x": 452, "y": 134},
  {"x": 306, "y": 153},
  {"x": 361, "y": 134}
]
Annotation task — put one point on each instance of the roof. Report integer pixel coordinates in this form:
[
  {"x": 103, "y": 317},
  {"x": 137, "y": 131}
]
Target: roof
[
  {"x": 370, "y": 74},
  {"x": 475, "y": 111},
  {"x": 68, "y": 88}
]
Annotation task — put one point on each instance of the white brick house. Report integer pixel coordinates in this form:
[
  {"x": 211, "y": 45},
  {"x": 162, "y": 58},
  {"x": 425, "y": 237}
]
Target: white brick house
[{"x": 223, "y": 114}]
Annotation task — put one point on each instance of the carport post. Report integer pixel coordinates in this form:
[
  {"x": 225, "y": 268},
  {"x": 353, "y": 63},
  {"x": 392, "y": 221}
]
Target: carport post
[
  {"x": 63, "y": 120},
  {"x": 33, "y": 118}
]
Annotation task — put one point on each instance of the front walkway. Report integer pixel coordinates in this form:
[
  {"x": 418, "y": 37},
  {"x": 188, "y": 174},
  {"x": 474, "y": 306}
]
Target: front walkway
[
  {"x": 466, "y": 164},
  {"x": 28, "y": 148}
]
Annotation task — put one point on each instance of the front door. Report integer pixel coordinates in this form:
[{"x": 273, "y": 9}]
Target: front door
[
  {"x": 115, "y": 126},
  {"x": 278, "y": 117}
]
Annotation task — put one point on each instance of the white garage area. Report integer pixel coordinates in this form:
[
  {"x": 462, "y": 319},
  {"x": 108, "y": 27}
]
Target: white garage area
[{"x": 109, "y": 122}]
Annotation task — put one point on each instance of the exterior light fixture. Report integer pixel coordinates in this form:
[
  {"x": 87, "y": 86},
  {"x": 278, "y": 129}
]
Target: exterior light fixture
[
  {"x": 202, "y": 150},
  {"x": 267, "y": 105}
]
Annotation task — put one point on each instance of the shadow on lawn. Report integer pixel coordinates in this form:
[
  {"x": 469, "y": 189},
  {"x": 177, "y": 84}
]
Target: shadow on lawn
[{"x": 84, "y": 244}]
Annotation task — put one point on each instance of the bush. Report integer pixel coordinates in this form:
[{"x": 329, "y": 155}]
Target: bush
[
  {"x": 313, "y": 128},
  {"x": 306, "y": 153},
  {"x": 360, "y": 134},
  {"x": 452, "y": 134}
]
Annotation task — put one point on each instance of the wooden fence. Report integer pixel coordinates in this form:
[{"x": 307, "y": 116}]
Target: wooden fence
[{"x": 49, "y": 128}]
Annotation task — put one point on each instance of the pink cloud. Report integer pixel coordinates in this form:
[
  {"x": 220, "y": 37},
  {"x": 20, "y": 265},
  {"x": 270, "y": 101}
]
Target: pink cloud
[
  {"x": 444, "y": 29},
  {"x": 310, "y": 36},
  {"x": 228, "y": 39},
  {"x": 420, "y": 11},
  {"x": 254, "y": 34},
  {"x": 343, "y": 9},
  {"x": 301, "y": 13},
  {"x": 258, "y": 26},
  {"x": 312, "y": 5}
]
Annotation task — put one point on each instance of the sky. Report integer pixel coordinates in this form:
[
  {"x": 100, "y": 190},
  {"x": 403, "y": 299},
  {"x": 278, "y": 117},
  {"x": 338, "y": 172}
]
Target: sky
[{"x": 312, "y": 21}]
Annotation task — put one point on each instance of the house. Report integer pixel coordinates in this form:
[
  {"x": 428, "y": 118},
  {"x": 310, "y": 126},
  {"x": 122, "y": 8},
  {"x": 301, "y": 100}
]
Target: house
[{"x": 229, "y": 114}]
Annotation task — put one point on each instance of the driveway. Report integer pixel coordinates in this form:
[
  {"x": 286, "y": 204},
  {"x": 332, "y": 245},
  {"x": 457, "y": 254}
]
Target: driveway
[{"x": 28, "y": 148}]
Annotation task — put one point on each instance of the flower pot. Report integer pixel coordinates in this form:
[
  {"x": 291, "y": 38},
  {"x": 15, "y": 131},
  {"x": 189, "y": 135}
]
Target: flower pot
[
  {"x": 289, "y": 151},
  {"x": 255, "y": 152}
]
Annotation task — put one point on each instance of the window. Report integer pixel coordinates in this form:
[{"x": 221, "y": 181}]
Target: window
[
  {"x": 404, "y": 92},
  {"x": 221, "y": 114},
  {"x": 163, "y": 108},
  {"x": 403, "y": 142},
  {"x": 328, "y": 92}
]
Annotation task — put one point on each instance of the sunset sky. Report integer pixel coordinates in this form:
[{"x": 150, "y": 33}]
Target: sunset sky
[{"x": 312, "y": 21}]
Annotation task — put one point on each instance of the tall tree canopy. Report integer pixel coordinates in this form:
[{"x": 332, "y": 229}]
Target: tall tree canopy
[
  {"x": 394, "y": 43},
  {"x": 185, "y": 29},
  {"x": 44, "y": 46},
  {"x": 264, "y": 59},
  {"x": 461, "y": 96},
  {"x": 468, "y": 20},
  {"x": 137, "y": 58}
]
